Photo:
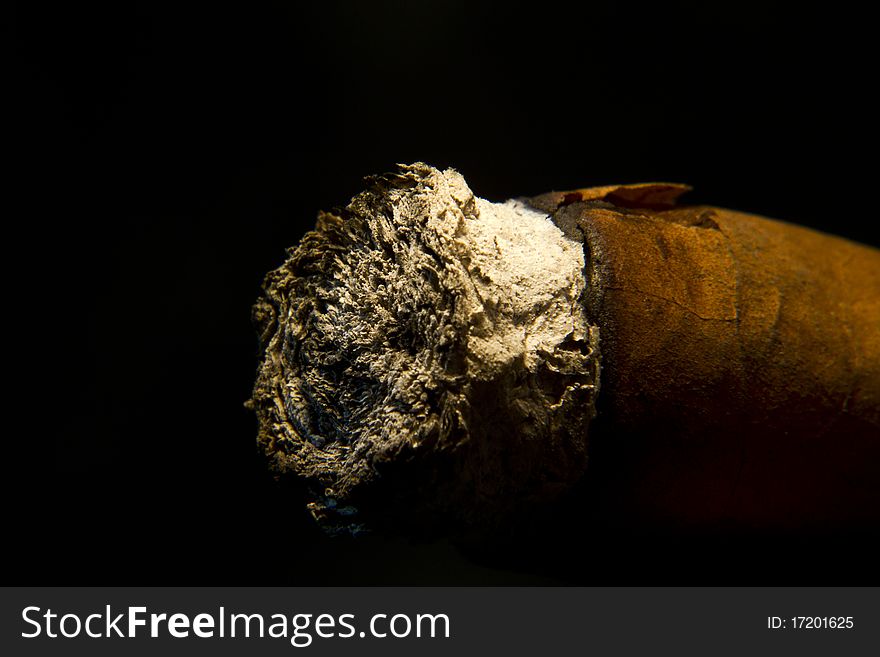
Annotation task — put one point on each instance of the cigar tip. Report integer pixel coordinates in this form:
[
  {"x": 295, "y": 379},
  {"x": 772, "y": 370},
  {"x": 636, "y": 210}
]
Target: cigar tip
[{"x": 426, "y": 355}]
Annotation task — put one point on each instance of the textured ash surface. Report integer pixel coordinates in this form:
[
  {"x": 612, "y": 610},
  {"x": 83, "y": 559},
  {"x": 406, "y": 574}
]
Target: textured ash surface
[{"x": 425, "y": 355}]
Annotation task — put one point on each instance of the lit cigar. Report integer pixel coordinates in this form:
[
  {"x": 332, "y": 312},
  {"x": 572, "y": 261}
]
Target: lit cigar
[{"x": 433, "y": 359}]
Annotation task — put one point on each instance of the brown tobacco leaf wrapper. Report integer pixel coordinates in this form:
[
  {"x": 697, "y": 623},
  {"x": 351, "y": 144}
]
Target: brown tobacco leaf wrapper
[
  {"x": 433, "y": 360},
  {"x": 740, "y": 363}
]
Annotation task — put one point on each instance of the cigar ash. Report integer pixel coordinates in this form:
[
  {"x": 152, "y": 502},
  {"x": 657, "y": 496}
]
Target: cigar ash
[{"x": 427, "y": 356}]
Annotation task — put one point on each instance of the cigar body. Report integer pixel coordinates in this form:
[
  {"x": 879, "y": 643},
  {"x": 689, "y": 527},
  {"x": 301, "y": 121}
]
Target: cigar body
[
  {"x": 740, "y": 382},
  {"x": 436, "y": 361}
]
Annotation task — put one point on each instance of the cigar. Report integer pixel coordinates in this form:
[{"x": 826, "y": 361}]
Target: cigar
[{"x": 430, "y": 359}]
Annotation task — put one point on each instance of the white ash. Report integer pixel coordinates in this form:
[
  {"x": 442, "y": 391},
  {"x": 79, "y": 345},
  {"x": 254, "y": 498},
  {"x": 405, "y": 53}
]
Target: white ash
[{"x": 431, "y": 345}]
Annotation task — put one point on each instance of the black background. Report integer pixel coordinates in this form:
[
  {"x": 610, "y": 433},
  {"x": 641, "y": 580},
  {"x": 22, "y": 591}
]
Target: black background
[{"x": 172, "y": 151}]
